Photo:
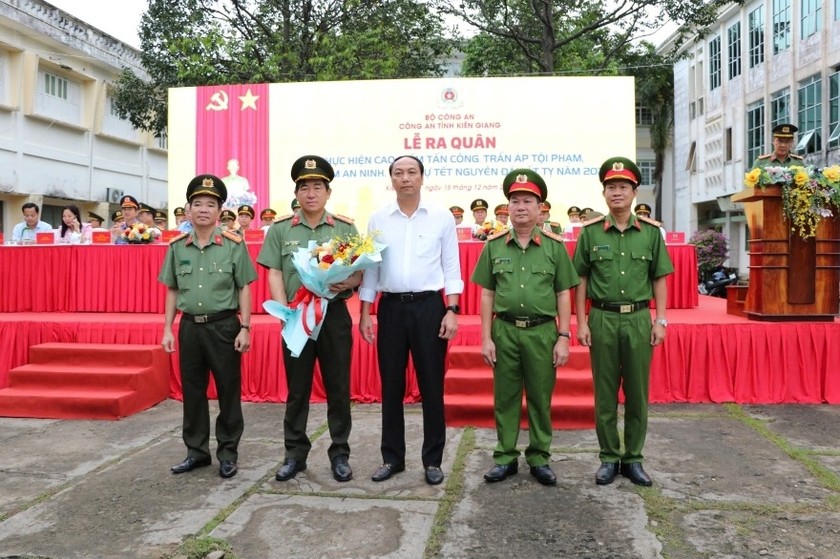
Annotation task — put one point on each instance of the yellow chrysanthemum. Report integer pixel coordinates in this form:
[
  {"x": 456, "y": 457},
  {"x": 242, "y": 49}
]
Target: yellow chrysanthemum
[
  {"x": 832, "y": 173},
  {"x": 751, "y": 178}
]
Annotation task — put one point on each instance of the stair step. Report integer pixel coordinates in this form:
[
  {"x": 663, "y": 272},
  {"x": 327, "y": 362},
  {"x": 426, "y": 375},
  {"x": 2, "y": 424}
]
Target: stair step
[
  {"x": 68, "y": 404},
  {"x": 76, "y": 354},
  {"x": 54, "y": 375},
  {"x": 474, "y": 381},
  {"x": 467, "y": 357},
  {"x": 566, "y": 412}
]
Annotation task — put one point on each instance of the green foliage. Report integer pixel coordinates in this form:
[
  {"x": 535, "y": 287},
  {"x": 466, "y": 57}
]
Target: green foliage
[{"x": 202, "y": 42}]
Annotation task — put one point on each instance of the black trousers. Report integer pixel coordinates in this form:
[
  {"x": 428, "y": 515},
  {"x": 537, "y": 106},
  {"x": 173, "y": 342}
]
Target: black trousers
[
  {"x": 204, "y": 348},
  {"x": 403, "y": 328},
  {"x": 332, "y": 349}
]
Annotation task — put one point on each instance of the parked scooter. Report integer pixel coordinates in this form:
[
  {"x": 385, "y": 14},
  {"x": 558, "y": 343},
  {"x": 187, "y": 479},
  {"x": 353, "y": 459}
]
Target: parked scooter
[{"x": 716, "y": 287}]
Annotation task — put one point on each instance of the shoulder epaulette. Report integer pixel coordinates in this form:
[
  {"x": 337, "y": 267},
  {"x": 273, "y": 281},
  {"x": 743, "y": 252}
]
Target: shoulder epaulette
[
  {"x": 232, "y": 236},
  {"x": 343, "y": 218},
  {"x": 178, "y": 237},
  {"x": 649, "y": 220},
  {"x": 794, "y": 156},
  {"x": 593, "y": 220},
  {"x": 284, "y": 217},
  {"x": 553, "y": 235},
  {"x": 765, "y": 156},
  {"x": 498, "y": 235}
]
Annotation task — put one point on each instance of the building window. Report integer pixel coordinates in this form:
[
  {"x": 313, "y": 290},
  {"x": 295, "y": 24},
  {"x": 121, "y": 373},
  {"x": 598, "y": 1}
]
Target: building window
[
  {"x": 756, "y": 23},
  {"x": 834, "y": 110},
  {"x": 733, "y": 35},
  {"x": 811, "y": 17},
  {"x": 780, "y": 107},
  {"x": 727, "y": 145},
  {"x": 163, "y": 140},
  {"x": 690, "y": 163},
  {"x": 810, "y": 115},
  {"x": 55, "y": 86},
  {"x": 755, "y": 130},
  {"x": 644, "y": 116},
  {"x": 646, "y": 168},
  {"x": 714, "y": 63},
  {"x": 781, "y": 25}
]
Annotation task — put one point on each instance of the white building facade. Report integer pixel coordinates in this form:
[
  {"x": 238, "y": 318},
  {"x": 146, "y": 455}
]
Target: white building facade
[
  {"x": 61, "y": 141},
  {"x": 766, "y": 62}
]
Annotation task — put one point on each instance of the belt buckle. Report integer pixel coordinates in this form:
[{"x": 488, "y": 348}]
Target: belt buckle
[
  {"x": 520, "y": 323},
  {"x": 625, "y": 309},
  {"x": 406, "y": 298},
  {"x": 200, "y": 319}
]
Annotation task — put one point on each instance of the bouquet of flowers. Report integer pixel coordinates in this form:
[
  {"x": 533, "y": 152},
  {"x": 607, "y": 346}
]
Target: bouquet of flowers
[
  {"x": 808, "y": 193},
  {"x": 139, "y": 233},
  {"x": 319, "y": 267},
  {"x": 487, "y": 229}
]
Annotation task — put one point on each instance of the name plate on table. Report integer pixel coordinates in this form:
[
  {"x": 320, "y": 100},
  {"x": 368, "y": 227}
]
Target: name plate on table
[
  {"x": 674, "y": 237},
  {"x": 254, "y": 235},
  {"x": 168, "y": 235},
  {"x": 45, "y": 238},
  {"x": 464, "y": 233},
  {"x": 100, "y": 237}
]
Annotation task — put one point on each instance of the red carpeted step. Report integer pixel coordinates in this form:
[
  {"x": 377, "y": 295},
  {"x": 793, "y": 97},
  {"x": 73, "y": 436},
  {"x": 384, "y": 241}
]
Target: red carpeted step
[
  {"x": 87, "y": 381},
  {"x": 468, "y": 391}
]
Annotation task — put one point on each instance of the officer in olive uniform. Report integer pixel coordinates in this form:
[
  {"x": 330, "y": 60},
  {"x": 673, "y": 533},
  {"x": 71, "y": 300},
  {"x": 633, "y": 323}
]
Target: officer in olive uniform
[
  {"x": 295, "y": 205},
  {"x": 312, "y": 176},
  {"x": 622, "y": 263},
  {"x": 95, "y": 220},
  {"x": 245, "y": 215},
  {"x": 458, "y": 214},
  {"x": 267, "y": 218},
  {"x": 782, "y": 143},
  {"x": 228, "y": 220},
  {"x": 117, "y": 217},
  {"x": 180, "y": 215},
  {"x": 479, "y": 208},
  {"x": 525, "y": 274},
  {"x": 544, "y": 219},
  {"x": 160, "y": 219},
  {"x": 207, "y": 273},
  {"x": 502, "y": 214}
]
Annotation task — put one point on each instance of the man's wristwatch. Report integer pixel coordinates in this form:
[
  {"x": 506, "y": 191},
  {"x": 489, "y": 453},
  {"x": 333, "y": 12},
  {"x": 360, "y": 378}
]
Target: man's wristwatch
[
  {"x": 245, "y": 327},
  {"x": 454, "y": 308},
  {"x": 565, "y": 334},
  {"x": 662, "y": 322}
]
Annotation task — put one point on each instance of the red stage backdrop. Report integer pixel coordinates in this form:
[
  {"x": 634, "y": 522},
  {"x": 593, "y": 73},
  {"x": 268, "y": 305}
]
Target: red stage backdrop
[{"x": 232, "y": 140}]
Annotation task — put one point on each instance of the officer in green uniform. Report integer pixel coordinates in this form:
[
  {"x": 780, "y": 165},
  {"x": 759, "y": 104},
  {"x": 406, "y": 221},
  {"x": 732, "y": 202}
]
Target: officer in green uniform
[
  {"x": 295, "y": 204},
  {"x": 458, "y": 214},
  {"x": 312, "y": 176},
  {"x": 782, "y": 144},
  {"x": 95, "y": 220},
  {"x": 544, "y": 219},
  {"x": 622, "y": 263},
  {"x": 525, "y": 274},
  {"x": 207, "y": 273},
  {"x": 502, "y": 215}
]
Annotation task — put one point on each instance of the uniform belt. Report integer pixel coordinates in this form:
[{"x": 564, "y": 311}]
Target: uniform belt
[
  {"x": 524, "y": 321},
  {"x": 621, "y": 307},
  {"x": 206, "y": 318},
  {"x": 409, "y": 297}
]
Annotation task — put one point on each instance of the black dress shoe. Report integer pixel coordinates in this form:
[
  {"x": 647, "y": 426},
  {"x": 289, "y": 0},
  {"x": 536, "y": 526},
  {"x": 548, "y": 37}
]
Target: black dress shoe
[
  {"x": 190, "y": 464},
  {"x": 434, "y": 475},
  {"x": 635, "y": 473},
  {"x": 227, "y": 469},
  {"x": 341, "y": 469},
  {"x": 606, "y": 473},
  {"x": 500, "y": 472},
  {"x": 289, "y": 469},
  {"x": 386, "y": 470},
  {"x": 544, "y": 474}
]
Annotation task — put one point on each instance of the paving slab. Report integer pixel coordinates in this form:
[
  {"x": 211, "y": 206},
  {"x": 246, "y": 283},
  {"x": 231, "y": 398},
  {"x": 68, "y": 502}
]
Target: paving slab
[{"x": 806, "y": 426}]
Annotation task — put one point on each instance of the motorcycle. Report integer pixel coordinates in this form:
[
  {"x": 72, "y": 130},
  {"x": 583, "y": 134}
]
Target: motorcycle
[{"x": 716, "y": 287}]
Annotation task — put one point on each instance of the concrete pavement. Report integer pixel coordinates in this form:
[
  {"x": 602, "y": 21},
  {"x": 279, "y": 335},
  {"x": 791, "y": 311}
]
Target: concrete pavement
[{"x": 729, "y": 481}]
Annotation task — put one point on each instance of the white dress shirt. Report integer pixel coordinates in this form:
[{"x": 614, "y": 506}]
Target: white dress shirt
[{"x": 421, "y": 254}]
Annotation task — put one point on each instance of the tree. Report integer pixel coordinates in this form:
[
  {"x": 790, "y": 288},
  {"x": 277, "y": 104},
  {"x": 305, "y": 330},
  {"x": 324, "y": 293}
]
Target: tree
[{"x": 201, "y": 42}]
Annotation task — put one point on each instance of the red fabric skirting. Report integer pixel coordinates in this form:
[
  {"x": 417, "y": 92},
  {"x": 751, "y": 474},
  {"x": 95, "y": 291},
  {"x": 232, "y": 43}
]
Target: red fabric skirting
[{"x": 708, "y": 356}]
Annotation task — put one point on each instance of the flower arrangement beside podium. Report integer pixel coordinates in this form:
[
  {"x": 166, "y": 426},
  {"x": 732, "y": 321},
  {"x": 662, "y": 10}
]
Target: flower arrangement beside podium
[
  {"x": 140, "y": 233},
  {"x": 809, "y": 194}
]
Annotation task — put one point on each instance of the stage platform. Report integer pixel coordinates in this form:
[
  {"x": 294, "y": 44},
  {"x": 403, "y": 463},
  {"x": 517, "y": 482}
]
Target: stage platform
[{"x": 709, "y": 356}]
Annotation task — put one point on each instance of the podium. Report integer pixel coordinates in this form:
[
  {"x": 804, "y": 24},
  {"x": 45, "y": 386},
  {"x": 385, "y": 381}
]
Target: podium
[{"x": 790, "y": 278}]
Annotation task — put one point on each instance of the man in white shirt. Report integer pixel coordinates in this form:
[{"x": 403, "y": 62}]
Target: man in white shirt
[
  {"x": 26, "y": 231},
  {"x": 420, "y": 260}
]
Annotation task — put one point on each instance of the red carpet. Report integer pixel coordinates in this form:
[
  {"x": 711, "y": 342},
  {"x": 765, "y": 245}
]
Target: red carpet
[
  {"x": 709, "y": 356},
  {"x": 87, "y": 381}
]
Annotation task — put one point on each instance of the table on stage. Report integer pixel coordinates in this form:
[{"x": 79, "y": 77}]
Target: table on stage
[
  {"x": 682, "y": 284},
  {"x": 123, "y": 278}
]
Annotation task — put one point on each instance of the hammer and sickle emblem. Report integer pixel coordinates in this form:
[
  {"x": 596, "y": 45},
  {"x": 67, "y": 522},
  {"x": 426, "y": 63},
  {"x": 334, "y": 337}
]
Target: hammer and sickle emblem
[{"x": 218, "y": 102}]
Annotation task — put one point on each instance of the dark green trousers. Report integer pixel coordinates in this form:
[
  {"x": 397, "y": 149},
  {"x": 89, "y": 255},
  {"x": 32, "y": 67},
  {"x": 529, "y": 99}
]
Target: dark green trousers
[
  {"x": 620, "y": 355},
  {"x": 204, "y": 348},
  {"x": 524, "y": 360},
  {"x": 332, "y": 350}
]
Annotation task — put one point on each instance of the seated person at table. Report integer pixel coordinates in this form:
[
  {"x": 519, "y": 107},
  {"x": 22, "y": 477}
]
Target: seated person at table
[
  {"x": 117, "y": 217},
  {"x": 180, "y": 215},
  {"x": 72, "y": 229},
  {"x": 502, "y": 215},
  {"x": 267, "y": 218},
  {"x": 25, "y": 232},
  {"x": 95, "y": 220},
  {"x": 643, "y": 210},
  {"x": 160, "y": 220},
  {"x": 146, "y": 215},
  {"x": 228, "y": 220},
  {"x": 245, "y": 215},
  {"x": 457, "y": 214}
]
